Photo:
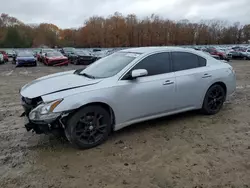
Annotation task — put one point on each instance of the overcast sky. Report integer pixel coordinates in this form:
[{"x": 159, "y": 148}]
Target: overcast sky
[{"x": 72, "y": 13}]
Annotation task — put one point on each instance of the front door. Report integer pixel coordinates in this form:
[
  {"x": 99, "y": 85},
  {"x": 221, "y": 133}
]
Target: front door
[{"x": 150, "y": 95}]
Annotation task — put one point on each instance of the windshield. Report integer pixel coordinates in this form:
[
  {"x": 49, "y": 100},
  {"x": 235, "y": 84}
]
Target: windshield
[
  {"x": 110, "y": 65},
  {"x": 25, "y": 54},
  {"x": 68, "y": 49},
  {"x": 81, "y": 52},
  {"x": 54, "y": 54},
  {"x": 47, "y": 50},
  {"x": 9, "y": 51}
]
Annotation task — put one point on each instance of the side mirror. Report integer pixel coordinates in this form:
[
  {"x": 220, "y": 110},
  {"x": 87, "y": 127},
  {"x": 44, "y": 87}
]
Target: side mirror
[{"x": 139, "y": 73}]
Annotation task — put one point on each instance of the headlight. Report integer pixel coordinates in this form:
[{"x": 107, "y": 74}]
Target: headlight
[{"x": 44, "y": 112}]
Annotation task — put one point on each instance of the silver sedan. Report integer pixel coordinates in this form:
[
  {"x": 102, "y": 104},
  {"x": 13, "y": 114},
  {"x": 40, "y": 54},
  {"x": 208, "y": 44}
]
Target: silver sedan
[{"x": 126, "y": 87}]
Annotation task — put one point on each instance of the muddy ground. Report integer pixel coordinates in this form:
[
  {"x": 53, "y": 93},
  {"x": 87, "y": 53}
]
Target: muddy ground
[{"x": 186, "y": 150}]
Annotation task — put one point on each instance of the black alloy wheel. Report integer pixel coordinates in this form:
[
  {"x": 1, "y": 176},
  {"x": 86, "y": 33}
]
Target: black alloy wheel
[
  {"x": 214, "y": 99},
  {"x": 88, "y": 127}
]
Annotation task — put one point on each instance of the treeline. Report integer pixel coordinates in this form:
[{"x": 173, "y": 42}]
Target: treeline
[{"x": 122, "y": 31}]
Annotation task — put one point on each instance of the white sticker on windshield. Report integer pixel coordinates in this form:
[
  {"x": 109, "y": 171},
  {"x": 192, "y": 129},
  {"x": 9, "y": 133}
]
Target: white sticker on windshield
[{"x": 132, "y": 55}]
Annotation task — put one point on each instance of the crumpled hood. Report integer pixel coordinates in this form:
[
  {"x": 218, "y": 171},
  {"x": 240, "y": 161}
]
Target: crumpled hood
[{"x": 55, "y": 83}]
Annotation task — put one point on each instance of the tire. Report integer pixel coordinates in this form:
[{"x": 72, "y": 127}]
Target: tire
[
  {"x": 214, "y": 100},
  {"x": 81, "y": 129},
  {"x": 221, "y": 57},
  {"x": 75, "y": 61},
  {"x": 244, "y": 58}
]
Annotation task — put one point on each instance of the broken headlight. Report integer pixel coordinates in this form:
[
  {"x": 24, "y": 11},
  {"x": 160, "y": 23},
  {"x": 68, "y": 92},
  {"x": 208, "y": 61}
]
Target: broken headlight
[{"x": 44, "y": 111}]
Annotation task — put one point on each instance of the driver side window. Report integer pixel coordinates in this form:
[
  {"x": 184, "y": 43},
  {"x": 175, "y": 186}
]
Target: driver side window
[{"x": 155, "y": 64}]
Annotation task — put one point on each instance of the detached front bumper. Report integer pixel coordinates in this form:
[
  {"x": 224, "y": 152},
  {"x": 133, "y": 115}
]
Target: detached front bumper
[{"x": 38, "y": 126}]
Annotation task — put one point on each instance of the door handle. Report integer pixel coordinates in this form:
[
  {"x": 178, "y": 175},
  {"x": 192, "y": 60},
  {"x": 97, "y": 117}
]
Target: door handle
[
  {"x": 206, "y": 75},
  {"x": 168, "y": 82}
]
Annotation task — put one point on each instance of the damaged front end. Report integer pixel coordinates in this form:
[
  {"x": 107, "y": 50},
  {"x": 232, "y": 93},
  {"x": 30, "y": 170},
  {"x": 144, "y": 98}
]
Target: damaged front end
[{"x": 39, "y": 116}]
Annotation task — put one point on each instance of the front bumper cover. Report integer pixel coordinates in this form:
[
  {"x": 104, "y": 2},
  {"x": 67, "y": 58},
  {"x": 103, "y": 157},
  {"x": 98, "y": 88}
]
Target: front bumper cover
[{"x": 37, "y": 127}]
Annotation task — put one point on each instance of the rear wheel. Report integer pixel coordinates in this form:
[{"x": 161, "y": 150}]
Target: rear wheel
[
  {"x": 88, "y": 127},
  {"x": 214, "y": 99}
]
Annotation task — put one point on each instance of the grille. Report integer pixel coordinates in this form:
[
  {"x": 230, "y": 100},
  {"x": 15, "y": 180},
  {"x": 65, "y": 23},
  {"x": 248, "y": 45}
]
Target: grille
[
  {"x": 29, "y": 104},
  {"x": 26, "y": 61}
]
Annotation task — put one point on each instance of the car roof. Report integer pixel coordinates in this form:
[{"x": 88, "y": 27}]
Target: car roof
[{"x": 145, "y": 50}]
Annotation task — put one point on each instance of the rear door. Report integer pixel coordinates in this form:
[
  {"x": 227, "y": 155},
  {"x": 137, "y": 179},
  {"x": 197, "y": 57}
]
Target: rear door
[{"x": 192, "y": 79}]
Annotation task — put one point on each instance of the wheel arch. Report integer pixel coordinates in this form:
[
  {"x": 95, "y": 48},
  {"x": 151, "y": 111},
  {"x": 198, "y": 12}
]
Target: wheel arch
[
  {"x": 102, "y": 104},
  {"x": 222, "y": 84}
]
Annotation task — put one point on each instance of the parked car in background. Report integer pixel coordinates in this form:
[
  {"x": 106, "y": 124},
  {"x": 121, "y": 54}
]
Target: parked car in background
[
  {"x": 41, "y": 54},
  {"x": 217, "y": 52},
  {"x": 5, "y": 55},
  {"x": 1, "y": 59},
  {"x": 245, "y": 53},
  {"x": 239, "y": 53},
  {"x": 11, "y": 53},
  {"x": 25, "y": 58},
  {"x": 36, "y": 52},
  {"x": 80, "y": 57},
  {"x": 67, "y": 51},
  {"x": 124, "y": 88},
  {"x": 214, "y": 56},
  {"x": 55, "y": 59},
  {"x": 100, "y": 54}
]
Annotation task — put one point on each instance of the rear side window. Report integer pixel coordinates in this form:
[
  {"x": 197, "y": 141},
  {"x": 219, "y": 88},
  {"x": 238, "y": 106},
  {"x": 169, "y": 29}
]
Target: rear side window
[
  {"x": 202, "y": 61},
  {"x": 185, "y": 61}
]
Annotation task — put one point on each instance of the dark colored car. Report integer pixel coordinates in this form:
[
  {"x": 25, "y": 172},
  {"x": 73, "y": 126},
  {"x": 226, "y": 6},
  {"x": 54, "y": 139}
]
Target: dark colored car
[
  {"x": 67, "y": 51},
  {"x": 80, "y": 57},
  {"x": 55, "y": 59},
  {"x": 5, "y": 55},
  {"x": 36, "y": 52},
  {"x": 25, "y": 58}
]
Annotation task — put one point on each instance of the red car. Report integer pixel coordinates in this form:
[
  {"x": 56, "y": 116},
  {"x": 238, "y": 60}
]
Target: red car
[
  {"x": 55, "y": 59},
  {"x": 221, "y": 54},
  {"x": 5, "y": 56}
]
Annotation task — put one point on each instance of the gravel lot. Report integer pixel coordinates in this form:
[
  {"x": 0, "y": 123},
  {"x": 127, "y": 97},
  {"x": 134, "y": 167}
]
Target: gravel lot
[{"x": 186, "y": 150}]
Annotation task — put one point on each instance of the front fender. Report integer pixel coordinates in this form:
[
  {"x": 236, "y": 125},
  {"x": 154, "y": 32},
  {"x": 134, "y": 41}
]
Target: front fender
[{"x": 76, "y": 101}]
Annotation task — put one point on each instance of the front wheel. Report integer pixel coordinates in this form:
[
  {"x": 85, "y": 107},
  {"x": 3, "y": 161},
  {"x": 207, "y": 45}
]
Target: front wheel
[
  {"x": 88, "y": 127},
  {"x": 214, "y": 99}
]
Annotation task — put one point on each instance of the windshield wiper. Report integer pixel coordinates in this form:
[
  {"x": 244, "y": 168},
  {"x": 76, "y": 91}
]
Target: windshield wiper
[{"x": 87, "y": 75}]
